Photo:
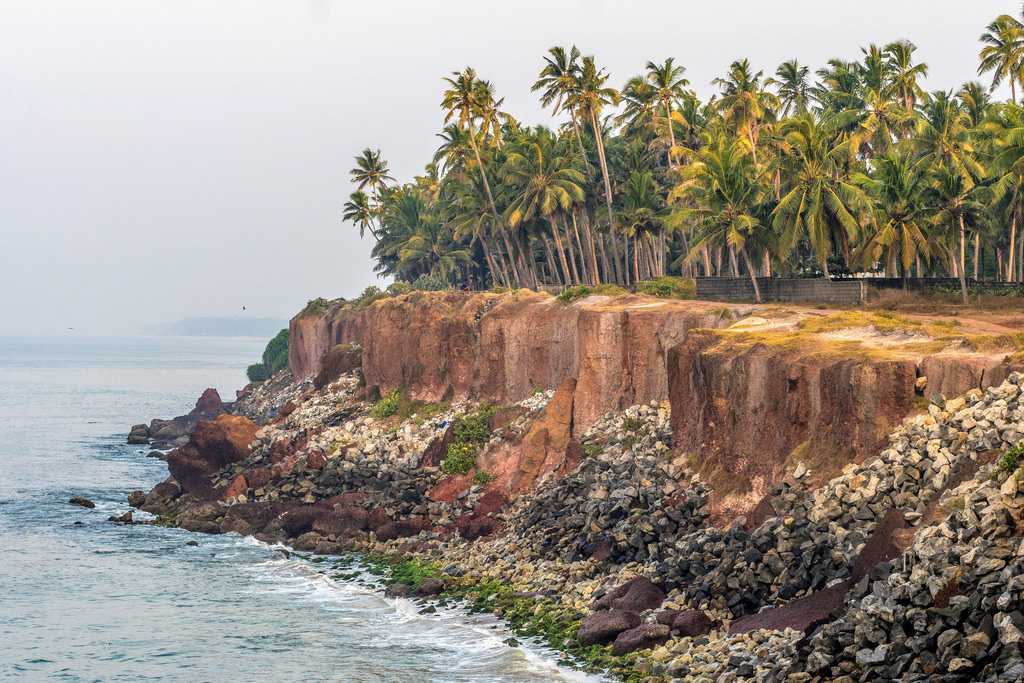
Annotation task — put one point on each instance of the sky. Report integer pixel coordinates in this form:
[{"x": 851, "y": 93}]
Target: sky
[{"x": 170, "y": 159}]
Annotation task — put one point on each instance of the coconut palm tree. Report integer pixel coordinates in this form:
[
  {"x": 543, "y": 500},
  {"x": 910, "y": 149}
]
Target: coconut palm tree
[
  {"x": 371, "y": 171},
  {"x": 1002, "y": 53},
  {"x": 903, "y": 74},
  {"x": 898, "y": 232},
  {"x": 744, "y": 104},
  {"x": 548, "y": 185},
  {"x": 821, "y": 204},
  {"x": 669, "y": 85},
  {"x": 463, "y": 102},
  {"x": 943, "y": 136},
  {"x": 792, "y": 87},
  {"x": 558, "y": 80},
  {"x": 975, "y": 101},
  {"x": 590, "y": 96},
  {"x": 357, "y": 210},
  {"x": 956, "y": 207},
  {"x": 722, "y": 193}
]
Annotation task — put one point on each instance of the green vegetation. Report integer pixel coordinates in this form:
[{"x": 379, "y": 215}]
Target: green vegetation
[
  {"x": 388, "y": 405},
  {"x": 570, "y": 294},
  {"x": 470, "y": 432},
  {"x": 850, "y": 168},
  {"x": 525, "y": 616},
  {"x": 257, "y": 372},
  {"x": 315, "y": 306},
  {"x": 482, "y": 478},
  {"x": 669, "y": 287},
  {"x": 1011, "y": 459},
  {"x": 275, "y": 358}
]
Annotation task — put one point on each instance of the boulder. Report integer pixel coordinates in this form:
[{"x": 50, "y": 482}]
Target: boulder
[
  {"x": 238, "y": 487},
  {"x": 430, "y": 587},
  {"x": 300, "y": 520},
  {"x": 640, "y": 638},
  {"x": 139, "y": 434},
  {"x": 603, "y": 627},
  {"x": 82, "y": 502},
  {"x": 691, "y": 623},
  {"x": 161, "y": 499},
  {"x": 124, "y": 518},
  {"x": 402, "y": 528},
  {"x": 208, "y": 406},
  {"x": 136, "y": 499},
  {"x": 636, "y": 595},
  {"x": 340, "y": 522},
  {"x": 249, "y": 518}
]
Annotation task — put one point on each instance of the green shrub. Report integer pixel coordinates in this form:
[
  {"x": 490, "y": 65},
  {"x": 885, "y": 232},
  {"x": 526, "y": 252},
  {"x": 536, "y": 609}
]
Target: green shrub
[
  {"x": 460, "y": 458},
  {"x": 275, "y": 356},
  {"x": 257, "y": 372},
  {"x": 431, "y": 283},
  {"x": 399, "y": 288},
  {"x": 470, "y": 433},
  {"x": 388, "y": 405},
  {"x": 475, "y": 427},
  {"x": 632, "y": 424},
  {"x": 482, "y": 478},
  {"x": 570, "y": 294},
  {"x": 1011, "y": 459},
  {"x": 315, "y": 306},
  {"x": 669, "y": 287}
]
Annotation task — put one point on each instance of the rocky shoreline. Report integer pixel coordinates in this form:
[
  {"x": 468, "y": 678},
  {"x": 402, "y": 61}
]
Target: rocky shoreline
[{"x": 907, "y": 567}]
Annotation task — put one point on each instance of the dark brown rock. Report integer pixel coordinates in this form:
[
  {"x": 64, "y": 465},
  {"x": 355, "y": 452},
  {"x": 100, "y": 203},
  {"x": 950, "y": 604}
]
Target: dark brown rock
[
  {"x": 691, "y": 623},
  {"x": 640, "y": 638},
  {"x": 603, "y": 627}
]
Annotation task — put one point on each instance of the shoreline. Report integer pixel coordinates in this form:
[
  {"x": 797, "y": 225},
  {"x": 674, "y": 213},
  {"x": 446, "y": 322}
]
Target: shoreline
[{"x": 604, "y": 549}]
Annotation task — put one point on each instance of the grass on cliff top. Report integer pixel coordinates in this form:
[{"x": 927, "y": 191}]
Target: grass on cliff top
[{"x": 667, "y": 287}]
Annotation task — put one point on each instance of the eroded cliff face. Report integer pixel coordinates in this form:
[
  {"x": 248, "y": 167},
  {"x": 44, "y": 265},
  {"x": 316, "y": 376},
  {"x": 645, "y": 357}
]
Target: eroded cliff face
[
  {"x": 753, "y": 393},
  {"x": 504, "y": 347}
]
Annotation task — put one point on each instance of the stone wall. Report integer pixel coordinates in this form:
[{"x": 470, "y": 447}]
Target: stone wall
[{"x": 839, "y": 293}]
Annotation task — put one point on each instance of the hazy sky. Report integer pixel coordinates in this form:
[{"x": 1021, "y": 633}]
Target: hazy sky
[{"x": 188, "y": 157}]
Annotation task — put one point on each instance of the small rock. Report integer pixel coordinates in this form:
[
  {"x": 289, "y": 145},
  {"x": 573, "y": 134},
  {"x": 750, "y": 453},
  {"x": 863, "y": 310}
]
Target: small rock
[{"x": 82, "y": 502}]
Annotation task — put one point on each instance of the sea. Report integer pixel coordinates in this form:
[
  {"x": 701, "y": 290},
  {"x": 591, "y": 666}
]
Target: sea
[{"x": 85, "y": 599}]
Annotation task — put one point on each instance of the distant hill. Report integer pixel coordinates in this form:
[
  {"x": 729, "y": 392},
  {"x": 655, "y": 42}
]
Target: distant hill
[{"x": 219, "y": 327}]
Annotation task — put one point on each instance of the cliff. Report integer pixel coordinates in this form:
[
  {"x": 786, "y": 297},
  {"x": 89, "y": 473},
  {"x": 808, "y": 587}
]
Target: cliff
[
  {"x": 754, "y": 390},
  {"x": 502, "y": 348}
]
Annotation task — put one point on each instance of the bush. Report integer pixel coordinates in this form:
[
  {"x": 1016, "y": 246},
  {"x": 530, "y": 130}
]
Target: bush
[
  {"x": 570, "y": 294},
  {"x": 460, "y": 458},
  {"x": 315, "y": 306},
  {"x": 470, "y": 433},
  {"x": 388, "y": 405},
  {"x": 482, "y": 478},
  {"x": 257, "y": 372},
  {"x": 275, "y": 356},
  {"x": 668, "y": 287},
  {"x": 1011, "y": 459},
  {"x": 431, "y": 283}
]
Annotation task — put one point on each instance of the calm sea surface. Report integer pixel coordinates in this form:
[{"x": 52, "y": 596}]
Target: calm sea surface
[{"x": 83, "y": 599}]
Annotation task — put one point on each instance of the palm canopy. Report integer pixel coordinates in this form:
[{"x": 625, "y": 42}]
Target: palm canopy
[
  {"x": 821, "y": 205},
  {"x": 547, "y": 183},
  {"x": 371, "y": 171},
  {"x": 944, "y": 136},
  {"x": 792, "y": 87},
  {"x": 898, "y": 232},
  {"x": 1002, "y": 52},
  {"x": 357, "y": 210}
]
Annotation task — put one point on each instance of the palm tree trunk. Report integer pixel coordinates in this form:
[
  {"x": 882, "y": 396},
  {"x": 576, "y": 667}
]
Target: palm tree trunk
[
  {"x": 595, "y": 274},
  {"x": 588, "y": 278},
  {"x": 606, "y": 269},
  {"x": 977, "y": 253},
  {"x": 483, "y": 174},
  {"x": 962, "y": 261},
  {"x": 561, "y": 252},
  {"x": 511, "y": 258},
  {"x": 579, "y": 139},
  {"x": 636, "y": 260},
  {"x": 495, "y": 273},
  {"x": 733, "y": 263},
  {"x": 604, "y": 168},
  {"x": 615, "y": 257},
  {"x": 572, "y": 253},
  {"x": 671, "y": 135},
  {"x": 1013, "y": 242},
  {"x": 753, "y": 276},
  {"x": 707, "y": 261},
  {"x": 551, "y": 263}
]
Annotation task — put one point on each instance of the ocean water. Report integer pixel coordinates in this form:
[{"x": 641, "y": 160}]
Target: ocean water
[{"x": 84, "y": 599}]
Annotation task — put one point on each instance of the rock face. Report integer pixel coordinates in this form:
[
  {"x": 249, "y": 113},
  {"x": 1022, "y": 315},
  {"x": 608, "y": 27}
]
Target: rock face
[
  {"x": 164, "y": 434},
  {"x": 212, "y": 445},
  {"x": 747, "y": 408},
  {"x": 503, "y": 347}
]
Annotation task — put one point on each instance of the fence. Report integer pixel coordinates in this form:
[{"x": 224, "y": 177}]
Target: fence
[{"x": 837, "y": 292}]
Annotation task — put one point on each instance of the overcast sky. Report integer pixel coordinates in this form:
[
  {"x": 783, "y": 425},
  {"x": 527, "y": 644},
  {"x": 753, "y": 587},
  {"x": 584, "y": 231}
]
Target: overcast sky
[{"x": 187, "y": 157}]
